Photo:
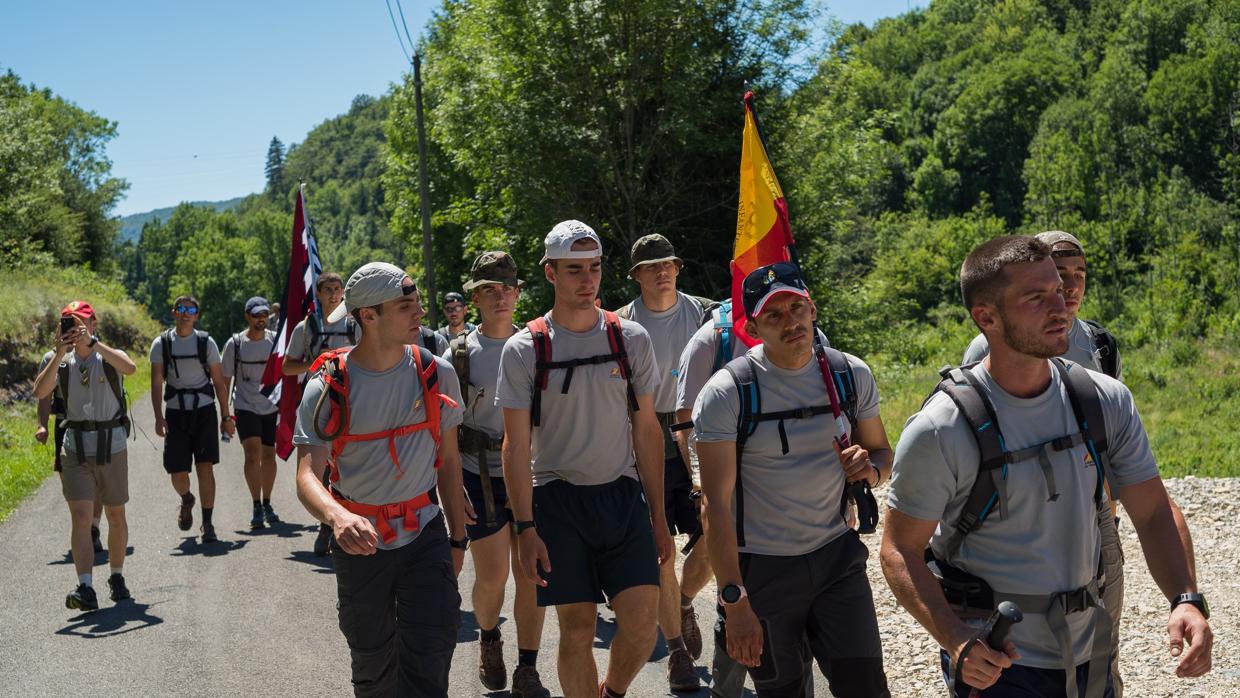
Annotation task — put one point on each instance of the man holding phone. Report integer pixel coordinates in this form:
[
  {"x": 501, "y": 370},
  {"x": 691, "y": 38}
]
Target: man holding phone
[{"x": 85, "y": 374}]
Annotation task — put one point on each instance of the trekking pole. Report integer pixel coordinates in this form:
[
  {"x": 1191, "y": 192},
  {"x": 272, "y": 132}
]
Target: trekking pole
[
  {"x": 1004, "y": 617},
  {"x": 859, "y": 492}
]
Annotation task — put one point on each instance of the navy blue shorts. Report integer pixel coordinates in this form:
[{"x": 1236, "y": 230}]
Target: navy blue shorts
[
  {"x": 193, "y": 437},
  {"x": 251, "y": 424},
  {"x": 503, "y": 514},
  {"x": 599, "y": 540}
]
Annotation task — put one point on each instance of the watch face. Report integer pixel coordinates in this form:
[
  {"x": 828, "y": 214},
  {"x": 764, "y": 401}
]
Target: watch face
[{"x": 730, "y": 593}]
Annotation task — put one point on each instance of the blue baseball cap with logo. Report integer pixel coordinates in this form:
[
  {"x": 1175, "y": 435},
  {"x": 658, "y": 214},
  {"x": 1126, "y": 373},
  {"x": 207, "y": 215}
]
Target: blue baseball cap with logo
[{"x": 257, "y": 305}]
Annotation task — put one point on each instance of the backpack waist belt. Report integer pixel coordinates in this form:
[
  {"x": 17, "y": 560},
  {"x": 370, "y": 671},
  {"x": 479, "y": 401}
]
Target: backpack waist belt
[
  {"x": 179, "y": 393},
  {"x": 407, "y": 511},
  {"x": 103, "y": 441},
  {"x": 480, "y": 444},
  {"x": 472, "y": 440}
]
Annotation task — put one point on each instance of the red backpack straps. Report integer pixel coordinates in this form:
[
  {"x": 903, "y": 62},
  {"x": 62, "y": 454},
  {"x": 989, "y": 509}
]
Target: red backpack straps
[
  {"x": 331, "y": 367},
  {"x": 540, "y": 333},
  {"x": 428, "y": 374},
  {"x": 615, "y": 338}
]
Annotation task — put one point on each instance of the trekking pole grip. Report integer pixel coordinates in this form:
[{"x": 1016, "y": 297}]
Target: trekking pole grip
[{"x": 1006, "y": 615}]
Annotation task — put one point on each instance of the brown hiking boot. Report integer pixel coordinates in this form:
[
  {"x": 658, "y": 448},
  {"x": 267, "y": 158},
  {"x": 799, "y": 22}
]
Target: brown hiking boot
[
  {"x": 526, "y": 684},
  {"x": 185, "y": 513},
  {"x": 491, "y": 670},
  {"x": 690, "y": 632},
  {"x": 681, "y": 674}
]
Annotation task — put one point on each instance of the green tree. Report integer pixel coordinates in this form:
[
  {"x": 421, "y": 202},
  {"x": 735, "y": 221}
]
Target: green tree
[{"x": 275, "y": 166}]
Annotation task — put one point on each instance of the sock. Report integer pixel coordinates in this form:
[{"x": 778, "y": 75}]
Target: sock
[
  {"x": 206, "y": 515},
  {"x": 490, "y": 635},
  {"x": 187, "y": 498},
  {"x": 257, "y": 504},
  {"x": 527, "y": 657},
  {"x": 117, "y": 570},
  {"x": 609, "y": 693},
  {"x": 675, "y": 644},
  {"x": 86, "y": 579},
  {"x": 267, "y": 503},
  {"x": 686, "y": 602}
]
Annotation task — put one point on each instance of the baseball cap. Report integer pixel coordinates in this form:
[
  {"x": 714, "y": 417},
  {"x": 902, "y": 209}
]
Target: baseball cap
[
  {"x": 764, "y": 283},
  {"x": 1055, "y": 237},
  {"x": 373, "y": 283},
  {"x": 559, "y": 242},
  {"x": 81, "y": 309},
  {"x": 453, "y": 297},
  {"x": 652, "y": 249},
  {"x": 256, "y": 305},
  {"x": 493, "y": 268}
]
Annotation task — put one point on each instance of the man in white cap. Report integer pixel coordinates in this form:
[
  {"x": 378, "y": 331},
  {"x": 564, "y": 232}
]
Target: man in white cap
[
  {"x": 577, "y": 388},
  {"x": 243, "y": 360},
  {"x": 387, "y": 430}
]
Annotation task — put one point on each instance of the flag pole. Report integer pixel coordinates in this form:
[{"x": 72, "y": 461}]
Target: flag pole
[{"x": 429, "y": 297}]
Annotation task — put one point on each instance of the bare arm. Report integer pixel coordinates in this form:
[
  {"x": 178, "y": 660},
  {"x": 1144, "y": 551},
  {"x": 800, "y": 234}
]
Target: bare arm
[
  {"x": 451, "y": 486},
  {"x": 157, "y": 390},
  {"x": 519, "y": 482},
  {"x": 118, "y": 359},
  {"x": 293, "y": 366},
  {"x": 682, "y": 436},
  {"x": 355, "y": 534},
  {"x": 648, "y": 449},
  {"x": 45, "y": 411},
  {"x": 870, "y": 445},
  {"x": 45, "y": 383}
]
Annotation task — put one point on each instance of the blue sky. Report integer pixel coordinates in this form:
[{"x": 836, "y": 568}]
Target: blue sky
[{"x": 199, "y": 89}]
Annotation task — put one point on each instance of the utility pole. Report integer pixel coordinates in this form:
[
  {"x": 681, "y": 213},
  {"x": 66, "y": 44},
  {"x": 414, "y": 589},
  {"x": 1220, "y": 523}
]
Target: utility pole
[{"x": 429, "y": 298}]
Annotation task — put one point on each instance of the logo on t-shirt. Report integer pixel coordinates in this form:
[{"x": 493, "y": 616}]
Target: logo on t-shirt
[{"x": 615, "y": 372}]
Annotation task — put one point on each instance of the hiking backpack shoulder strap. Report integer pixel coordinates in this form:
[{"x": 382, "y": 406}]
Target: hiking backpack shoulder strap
[
  {"x": 723, "y": 330},
  {"x": 61, "y": 393},
  {"x": 540, "y": 334},
  {"x": 845, "y": 382},
  {"x": 741, "y": 370},
  {"x": 1107, "y": 347},
  {"x": 615, "y": 339},
  {"x": 708, "y": 307},
  {"x": 458, "y": 350},
  {"x": 236, "y": 339},
  {"x": 350, "y": 328},
  {"x": 314, "y": 334},
  {"x": 1087, "y": 408},
  {"x": 165, "y": 348},
  {"x": 116, "y": 383},
  {"x": 202, "y": 351}
]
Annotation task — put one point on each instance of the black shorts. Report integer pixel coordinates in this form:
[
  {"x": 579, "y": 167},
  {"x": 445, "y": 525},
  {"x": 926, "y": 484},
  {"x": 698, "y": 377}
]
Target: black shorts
[
  {"x": 679, "y": 503},
  {"x": 193, "y": 437},
  {"x": 503, "y": 514},
  {"x": 598, "y": 538},
  {"x": 251, "y": 424}
]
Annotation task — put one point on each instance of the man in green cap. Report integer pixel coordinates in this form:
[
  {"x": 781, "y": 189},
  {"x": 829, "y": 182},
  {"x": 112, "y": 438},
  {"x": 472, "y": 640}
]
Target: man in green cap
[
  {"x": 671, "y": 318},
  {"x": 475, "y": 354}
]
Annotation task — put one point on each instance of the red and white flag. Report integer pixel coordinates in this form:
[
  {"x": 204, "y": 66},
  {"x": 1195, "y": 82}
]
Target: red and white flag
[{"x": 298, "y": 302}]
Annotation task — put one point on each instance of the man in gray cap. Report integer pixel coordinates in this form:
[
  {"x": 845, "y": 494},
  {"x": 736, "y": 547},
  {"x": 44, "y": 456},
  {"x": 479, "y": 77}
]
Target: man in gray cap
[
  {"x": 1092, "y": 346},
  {"x": 577, "y": 389},
  {"x": 671, "y": 318},
  {"x": 454, "y": 312},
  {"x": 387, "y": 429},
  {"x": 243, "y": 360}
]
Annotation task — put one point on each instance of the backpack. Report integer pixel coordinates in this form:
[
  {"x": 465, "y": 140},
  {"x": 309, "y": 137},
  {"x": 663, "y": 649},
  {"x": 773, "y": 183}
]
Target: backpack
[
  {"x": 471, "y": 440},
  {"x": 741, "y": 369},
  {"x": 708, "y": 306},
  {"x": 238, "y": 361},
  {"x": 318, "y": 339},
  {"x": 165, "y": 343},
  {"x": 60, "y": 402},
  {"x": 1107, "y": 347},
  {"x": 723, "y": 330},
  {"x": 430, "y": 339},
  {"x": 540, "y": 332}
]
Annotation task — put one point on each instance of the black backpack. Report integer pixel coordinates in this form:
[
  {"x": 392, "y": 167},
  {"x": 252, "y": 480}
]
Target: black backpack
[
  {"x": 238, "y": 361},
  {"x": 165, "y": 343},
  {"x": 317, "y": 339},
  {"x": 1107, "y": 347}
]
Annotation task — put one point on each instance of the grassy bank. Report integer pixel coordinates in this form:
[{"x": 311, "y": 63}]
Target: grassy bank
[{"x": 1188, "y": 395}]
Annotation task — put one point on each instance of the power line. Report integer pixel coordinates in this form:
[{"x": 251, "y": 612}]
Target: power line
[
  {"x": 405, "y": 24},
  {"x": 397, "y": 29}
]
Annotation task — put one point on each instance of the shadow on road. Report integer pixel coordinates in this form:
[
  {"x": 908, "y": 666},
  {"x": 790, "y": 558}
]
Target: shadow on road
[
  {"x": 469, "y": 630},
  {"x": 108, "y": 621},
  {"x": 101, "y": 558},
  {"x": 191, "y": 546},
  {"x": 323, "y": 564},
  {"x": 283, "y": 529},
  {"x": 604, "y": 631}
]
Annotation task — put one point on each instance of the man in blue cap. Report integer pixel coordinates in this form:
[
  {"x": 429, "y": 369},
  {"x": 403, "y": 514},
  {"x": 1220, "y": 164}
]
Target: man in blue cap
[{"x": 243, "y": 361}]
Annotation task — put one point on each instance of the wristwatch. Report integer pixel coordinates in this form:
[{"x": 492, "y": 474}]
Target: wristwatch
[
  {"x": 519, "y": 526},
  {"x": 462, "y": 544},
  {"x": 94, "y": 339},
  {"x": 1194, "y": 599},
  {"x": 731, "y": 594}
]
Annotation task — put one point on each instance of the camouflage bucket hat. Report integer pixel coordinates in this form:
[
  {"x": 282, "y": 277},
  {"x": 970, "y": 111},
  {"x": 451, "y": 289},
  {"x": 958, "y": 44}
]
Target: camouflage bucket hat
[
  {"x": 493, "y": 268},
  {"x": 651, "y": 249}
]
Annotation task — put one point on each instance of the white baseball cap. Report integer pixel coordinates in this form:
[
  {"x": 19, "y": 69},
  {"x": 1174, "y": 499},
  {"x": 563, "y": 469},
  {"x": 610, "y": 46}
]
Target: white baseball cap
[
  {"x": 559, "y": 242},
  {"x": 372, "y": 284}
]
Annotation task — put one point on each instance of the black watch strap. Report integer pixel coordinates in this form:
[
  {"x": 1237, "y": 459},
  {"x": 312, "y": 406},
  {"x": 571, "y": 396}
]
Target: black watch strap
[
  {"x": 519, "y": 526},
  {"x": 461, "y": 544},
  {"x": 1194, "y": 599}
]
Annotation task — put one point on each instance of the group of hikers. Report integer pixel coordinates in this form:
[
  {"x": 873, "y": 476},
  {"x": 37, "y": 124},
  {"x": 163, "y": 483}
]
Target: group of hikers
[{"x": 572, "y": 450}]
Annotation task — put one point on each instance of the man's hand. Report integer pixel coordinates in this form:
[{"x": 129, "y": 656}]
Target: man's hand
[
  {"x": 471, "y": 516},
  {"x": 532, "y": 554},
  {"x": 1187, "y": 624},
  {"x": 354, "y": 534},
  {"x": 161, "y": 427},
  {"x": 228, "y": 426},
  {"x": 744, "y": 634},
  {"x": 663, "y": 540},
  {"x": 855, "y": 460},
  {"x": 458, "y": 561},
  {"x": 40, "y": 434},
  {"x": 983, "y": 665}
]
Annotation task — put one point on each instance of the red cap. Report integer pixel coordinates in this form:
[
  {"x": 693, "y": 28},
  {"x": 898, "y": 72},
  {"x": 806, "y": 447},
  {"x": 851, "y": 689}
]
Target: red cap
[{"x": 81, "y": 309}]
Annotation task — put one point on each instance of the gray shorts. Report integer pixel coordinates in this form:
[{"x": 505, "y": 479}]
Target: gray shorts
[{"x": 85, "y": 480}]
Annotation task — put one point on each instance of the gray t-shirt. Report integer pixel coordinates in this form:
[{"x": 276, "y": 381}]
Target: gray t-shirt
[
  {"x": 379, "y": 401},
  {"x": 670, "y": 330},
  {"x": 1036, "y": 546},
  {"x": 247, "y": 388},
  {"x": 1081, "y": 348},
  {"x": 446, "y": 332},
  {"x": 92, "y": 402},
  {"x": 792, "y": 501},
  {"x": 185, "y": 371},
  {"x": 585, "y": 436},
  {"x": 334, "y": 336},
  {"x": 481, "y": 412}
]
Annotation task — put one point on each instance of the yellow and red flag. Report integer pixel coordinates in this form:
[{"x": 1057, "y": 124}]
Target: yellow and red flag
[{"x": 763, "y": 233}]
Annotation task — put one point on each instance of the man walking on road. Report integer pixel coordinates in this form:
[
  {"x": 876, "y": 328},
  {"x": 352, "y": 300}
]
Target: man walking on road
[
  {"x": 475, "y": 355},
  {"x": 788, "y": 566},
  {"x": 671, "y": 318},
  {"x": 245, "y": 356},
  {"x": 383, "y": 418},
  {"x": 187, "y": 382},
  {"x": 85, "y": 374},
  {"x": 454, "y": 310},
  {"x": 1001, "y": 473},
  {"x": 577, "y": 388}
]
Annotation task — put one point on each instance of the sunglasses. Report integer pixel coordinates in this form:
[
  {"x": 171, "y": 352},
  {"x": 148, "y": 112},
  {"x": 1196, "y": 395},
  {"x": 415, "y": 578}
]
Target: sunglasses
[{"x": 187, "y": 310}]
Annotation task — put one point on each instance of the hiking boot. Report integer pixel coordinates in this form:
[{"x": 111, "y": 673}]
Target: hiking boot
[
  {"x": 270, "y": 514},
  {"x": 208, "y": 534},
  {"x": 681, "y": 674},
  {"x": 690, "y": 632},
  {"x": 491, "y": 670},
  {"x": 256, "y": 519},
  {"x": 120, "y": 592},
  {"x": 83, "y": 599},
  {"x": 95, "y": 539},
  {"x": 185, "y": 513},
  {"x": 526, "y": 684},
  {"x": 322, "y": 544}
]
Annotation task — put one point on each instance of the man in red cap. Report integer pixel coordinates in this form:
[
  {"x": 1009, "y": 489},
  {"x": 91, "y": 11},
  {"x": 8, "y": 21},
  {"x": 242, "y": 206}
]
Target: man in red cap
[{"x": 85, "y": 375}]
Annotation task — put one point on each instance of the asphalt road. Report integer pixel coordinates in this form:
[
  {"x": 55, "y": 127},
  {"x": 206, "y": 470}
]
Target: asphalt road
[{"x": 252, "y": 614}]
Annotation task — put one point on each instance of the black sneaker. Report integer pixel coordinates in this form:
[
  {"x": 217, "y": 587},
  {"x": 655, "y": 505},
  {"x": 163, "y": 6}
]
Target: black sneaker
[
  {"x": 208, "y": 534},
  {"x": 82, "y": 599},
  {"x": 256, "y": 519},
  {"x": 322, "y": 544},
  {"x": 120, "y": 592},
  {"x": 270, "y": 514},
  {"x": 95, "y": 539}
]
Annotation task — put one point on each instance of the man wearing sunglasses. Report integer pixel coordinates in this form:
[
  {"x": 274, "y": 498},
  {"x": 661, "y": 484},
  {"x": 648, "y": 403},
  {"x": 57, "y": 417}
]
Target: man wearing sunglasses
[
  {"x": 455, "y": 312},
  {"x": 186, "y": 381},
  {"x": 245, "y": 358}
]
